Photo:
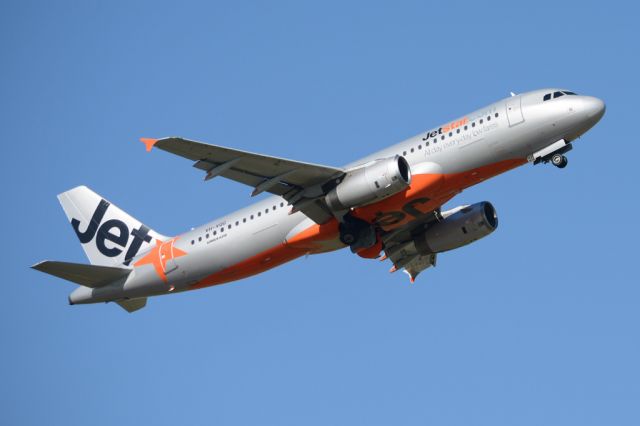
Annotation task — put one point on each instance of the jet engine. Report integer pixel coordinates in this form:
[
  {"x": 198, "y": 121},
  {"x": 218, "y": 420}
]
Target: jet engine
[
  {"x": 370, "y": 183},
  {"x": 459, "y": 227}
]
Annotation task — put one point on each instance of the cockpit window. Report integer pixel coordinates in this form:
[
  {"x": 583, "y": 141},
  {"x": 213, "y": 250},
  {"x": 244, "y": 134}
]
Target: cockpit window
[{"x": 557, "y": 95}]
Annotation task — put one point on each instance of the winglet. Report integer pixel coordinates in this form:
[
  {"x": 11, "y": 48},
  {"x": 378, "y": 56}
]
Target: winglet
[{"x": 149, "y": 142}]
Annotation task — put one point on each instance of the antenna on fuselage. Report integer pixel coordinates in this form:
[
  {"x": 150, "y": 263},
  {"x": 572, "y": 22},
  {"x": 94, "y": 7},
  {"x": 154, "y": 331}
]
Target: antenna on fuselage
[{"x": 512, "y": 94}]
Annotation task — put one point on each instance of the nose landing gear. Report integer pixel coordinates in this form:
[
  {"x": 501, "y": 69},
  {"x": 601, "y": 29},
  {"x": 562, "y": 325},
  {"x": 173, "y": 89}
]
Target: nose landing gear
[
  {"x": 553, "y": 153},
  {"x": 559, "y": 160}
]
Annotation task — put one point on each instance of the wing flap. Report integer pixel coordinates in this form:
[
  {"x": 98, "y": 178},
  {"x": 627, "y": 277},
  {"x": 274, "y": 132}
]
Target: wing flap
[
  {"x": 401, "y": 250},
  {"x": 419, "y": 264},
  {"x": 93, "y": 276}
]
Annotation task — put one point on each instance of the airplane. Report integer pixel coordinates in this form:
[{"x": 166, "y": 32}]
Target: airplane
[{"x": 387, "y": 205}]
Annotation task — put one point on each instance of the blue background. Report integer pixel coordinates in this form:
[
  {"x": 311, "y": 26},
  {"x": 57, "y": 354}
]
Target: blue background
[{"x": 536, "y": 324}]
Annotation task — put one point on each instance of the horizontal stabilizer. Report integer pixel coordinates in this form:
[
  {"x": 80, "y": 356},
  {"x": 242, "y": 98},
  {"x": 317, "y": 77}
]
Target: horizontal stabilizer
[
  {"x": 133, "y": 305},
  {"x": 93, "y": 276}
]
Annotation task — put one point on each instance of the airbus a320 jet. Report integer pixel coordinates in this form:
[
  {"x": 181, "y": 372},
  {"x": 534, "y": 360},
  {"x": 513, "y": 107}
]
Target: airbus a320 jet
[{"x": 387, "y": 205}]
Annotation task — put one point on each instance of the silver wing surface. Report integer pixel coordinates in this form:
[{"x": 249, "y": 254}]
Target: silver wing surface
[{"x": 298, "y": 182}]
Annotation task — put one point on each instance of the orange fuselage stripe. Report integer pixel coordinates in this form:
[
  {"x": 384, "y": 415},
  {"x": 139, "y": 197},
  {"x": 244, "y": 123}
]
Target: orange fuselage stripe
[{"x": 426, "y": 193}]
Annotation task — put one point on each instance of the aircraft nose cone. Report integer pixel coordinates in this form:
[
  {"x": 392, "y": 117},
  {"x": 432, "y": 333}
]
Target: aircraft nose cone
[{"x": 593, "y": 107}]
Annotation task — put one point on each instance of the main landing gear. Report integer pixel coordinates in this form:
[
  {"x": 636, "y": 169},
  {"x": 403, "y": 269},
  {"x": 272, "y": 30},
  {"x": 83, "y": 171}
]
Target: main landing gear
[
  {"x": 559, "y": 160},
  {"x": 356, "y": 233}
]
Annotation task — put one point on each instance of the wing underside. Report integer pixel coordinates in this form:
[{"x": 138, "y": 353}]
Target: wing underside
[{"x": 401, "y": 250}]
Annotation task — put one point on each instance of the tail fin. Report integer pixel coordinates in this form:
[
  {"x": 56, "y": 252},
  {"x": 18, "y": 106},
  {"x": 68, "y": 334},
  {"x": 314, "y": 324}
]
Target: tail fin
[{"x": 109, "y": 236}]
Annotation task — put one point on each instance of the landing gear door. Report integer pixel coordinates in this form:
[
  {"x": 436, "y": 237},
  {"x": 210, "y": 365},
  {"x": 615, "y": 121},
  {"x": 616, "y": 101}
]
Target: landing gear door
[{"x": 514, "y": 111}]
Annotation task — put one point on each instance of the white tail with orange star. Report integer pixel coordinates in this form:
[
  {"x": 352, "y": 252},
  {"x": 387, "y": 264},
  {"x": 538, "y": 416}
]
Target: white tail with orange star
[{"x": 109, "y": 236}]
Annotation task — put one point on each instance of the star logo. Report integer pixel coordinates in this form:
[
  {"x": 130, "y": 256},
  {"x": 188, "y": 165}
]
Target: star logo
[{"x": 160, "y": 255}]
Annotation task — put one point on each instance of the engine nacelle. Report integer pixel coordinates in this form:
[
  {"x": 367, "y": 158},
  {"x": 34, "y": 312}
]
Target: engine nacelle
[
  {"x": 370, "y": 183},
  {"x": 460, "y": 226}
]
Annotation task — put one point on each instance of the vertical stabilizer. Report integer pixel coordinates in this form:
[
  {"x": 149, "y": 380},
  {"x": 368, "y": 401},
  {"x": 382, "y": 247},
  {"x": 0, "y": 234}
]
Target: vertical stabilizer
[{"x": 109, "y": 236}]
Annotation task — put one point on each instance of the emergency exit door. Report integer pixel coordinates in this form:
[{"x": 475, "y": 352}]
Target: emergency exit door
[{"x": 514, "y": 111}]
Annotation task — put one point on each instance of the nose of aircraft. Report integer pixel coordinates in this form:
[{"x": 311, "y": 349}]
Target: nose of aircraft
[{"x": 593, "y": 107}]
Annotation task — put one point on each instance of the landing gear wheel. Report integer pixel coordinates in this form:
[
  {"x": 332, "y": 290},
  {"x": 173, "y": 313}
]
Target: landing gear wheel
[
  {"x": 347, "y": 238},
  {"x": 356, "y": 233},
  {"x": 559, "y": 160}
]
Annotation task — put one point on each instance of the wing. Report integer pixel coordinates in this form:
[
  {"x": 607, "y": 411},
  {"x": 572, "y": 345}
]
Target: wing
[
  {"x": 401, "y": 250},
  {"x": 299, "y": 183}
]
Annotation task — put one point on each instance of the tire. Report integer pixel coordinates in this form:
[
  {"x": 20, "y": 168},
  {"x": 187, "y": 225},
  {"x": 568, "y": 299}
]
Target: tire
[
  {"x": 348, "y": 238},
  {"x": 564, "y": 163},
  {"x": 558, "y": 159}
]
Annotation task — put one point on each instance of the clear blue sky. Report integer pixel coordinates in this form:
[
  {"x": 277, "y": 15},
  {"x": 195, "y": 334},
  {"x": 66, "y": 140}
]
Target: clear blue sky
[{"x": 535, "y": 325}]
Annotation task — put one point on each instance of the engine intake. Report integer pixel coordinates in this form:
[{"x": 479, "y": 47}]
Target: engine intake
[
  {"x": 460, "y": 226},
  {"x": 370, "y": 183}
]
